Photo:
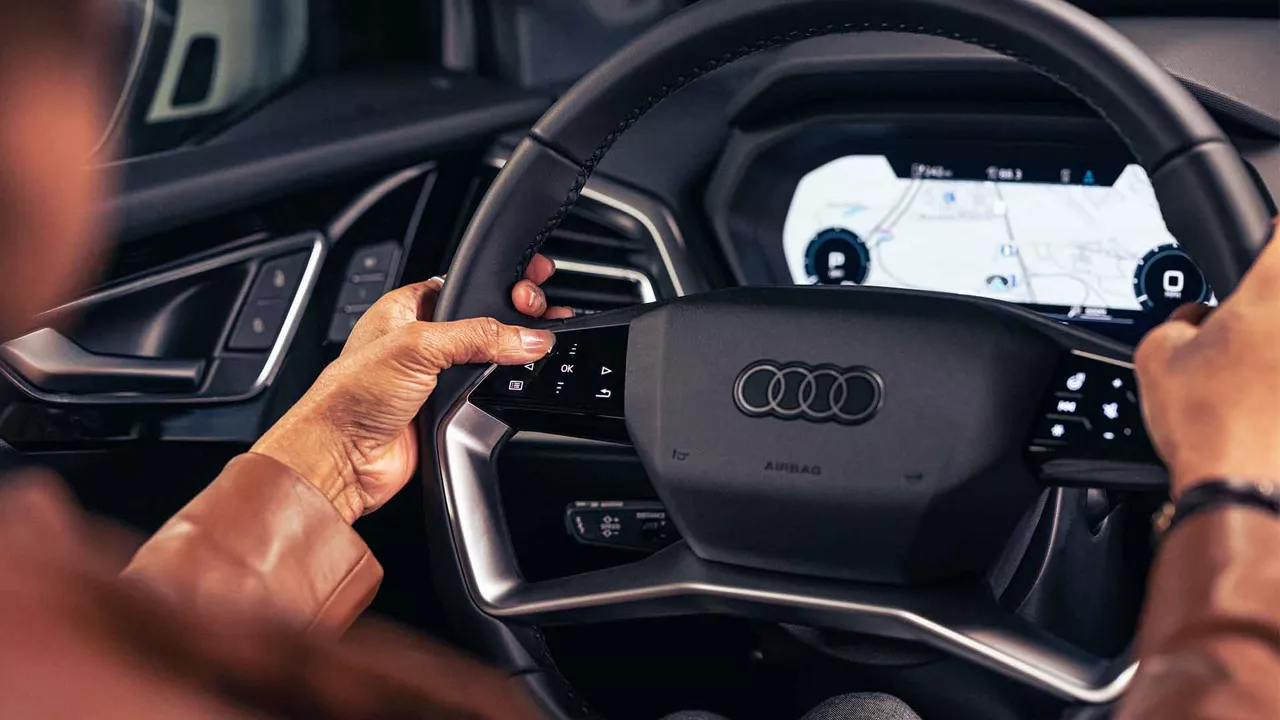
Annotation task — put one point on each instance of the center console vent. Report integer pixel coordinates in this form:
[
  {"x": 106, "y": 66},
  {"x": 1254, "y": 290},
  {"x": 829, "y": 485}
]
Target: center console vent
[
  {"x": 600, "y": 254},
  {"x": 606, "y": 258}
]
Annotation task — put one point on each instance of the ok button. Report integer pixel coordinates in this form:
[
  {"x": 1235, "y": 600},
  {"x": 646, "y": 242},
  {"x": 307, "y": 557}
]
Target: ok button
[{"x": 566, "y": 368}]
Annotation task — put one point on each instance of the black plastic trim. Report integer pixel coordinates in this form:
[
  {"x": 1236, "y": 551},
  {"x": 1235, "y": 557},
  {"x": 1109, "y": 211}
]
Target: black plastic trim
[
  {"x": 161, "y": 192},
  {"x": 52, "y": 362}
]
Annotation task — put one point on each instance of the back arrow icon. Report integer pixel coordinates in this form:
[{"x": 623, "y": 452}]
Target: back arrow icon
[{"x": 529, "y": 366}]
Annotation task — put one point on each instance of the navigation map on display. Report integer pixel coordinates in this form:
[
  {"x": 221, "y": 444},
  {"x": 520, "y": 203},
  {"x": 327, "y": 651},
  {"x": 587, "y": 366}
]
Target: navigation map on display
[{"x": 1085, "y": 241}]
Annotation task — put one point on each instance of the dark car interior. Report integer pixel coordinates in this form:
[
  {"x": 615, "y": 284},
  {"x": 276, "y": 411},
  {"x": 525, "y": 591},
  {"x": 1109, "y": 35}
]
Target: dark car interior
[{"x": 780, "y": 511}]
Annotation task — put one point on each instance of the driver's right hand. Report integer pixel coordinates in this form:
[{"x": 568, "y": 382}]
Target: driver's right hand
[{"x": 1210, "y": 382}]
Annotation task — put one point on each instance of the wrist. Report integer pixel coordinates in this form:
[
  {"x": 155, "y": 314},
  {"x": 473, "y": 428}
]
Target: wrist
[
  {"x": 1184, "y": 479},
  {"x": 312, "y": 450},
  {"x": 1218, "y": 494}
]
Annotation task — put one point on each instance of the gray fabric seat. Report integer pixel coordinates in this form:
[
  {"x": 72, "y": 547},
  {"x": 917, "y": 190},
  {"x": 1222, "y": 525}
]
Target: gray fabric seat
[{"x": 856, "y": 706}]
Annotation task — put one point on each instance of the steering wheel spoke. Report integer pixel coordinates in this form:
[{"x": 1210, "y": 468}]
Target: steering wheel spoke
[{"x": 961, "y": 618}]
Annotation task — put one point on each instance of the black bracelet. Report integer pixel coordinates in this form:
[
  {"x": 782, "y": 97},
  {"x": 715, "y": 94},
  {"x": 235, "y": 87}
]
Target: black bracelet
[{"x": 1216, "y": 493}]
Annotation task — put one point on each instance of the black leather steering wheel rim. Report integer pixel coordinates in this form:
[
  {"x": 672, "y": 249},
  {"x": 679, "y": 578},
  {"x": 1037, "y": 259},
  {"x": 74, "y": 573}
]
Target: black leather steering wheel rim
[{"x": 1211, "y": 203}]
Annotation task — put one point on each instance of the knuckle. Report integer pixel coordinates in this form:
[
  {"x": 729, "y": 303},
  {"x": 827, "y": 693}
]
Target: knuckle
[
  {"x": 439, "y": 346},
  {"x": 426, "y": 341},
  {"x": 1152, "y": 353},
  {"x": 387, "y": 305},
  {"x": 414, "y": 343},
  {"x": 489, "y": 331}
]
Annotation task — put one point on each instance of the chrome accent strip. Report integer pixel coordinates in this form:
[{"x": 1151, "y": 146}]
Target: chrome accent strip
[
  {"x": 653, "y": 215},
  {"x": 1103, "y": 358},
  {"x": 296, "y": 309},
  {"x": 612, "y": 200},
  {"x": 247, "y": 252},
  {"x": 468, "y": 442},
  {"x": 639, "y": 279},
  {"x": 129, "y": 87}
]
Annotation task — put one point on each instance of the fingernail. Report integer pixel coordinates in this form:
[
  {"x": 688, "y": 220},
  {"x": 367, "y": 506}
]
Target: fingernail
[
  {"x": 537, "y": 341},
  {"x": 537, "y": 302}
]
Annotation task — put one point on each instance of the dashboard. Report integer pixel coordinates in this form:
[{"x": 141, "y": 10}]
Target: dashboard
[
  {"x": 1080, "y": 240},
  {"x": 1051, "y": 213}
]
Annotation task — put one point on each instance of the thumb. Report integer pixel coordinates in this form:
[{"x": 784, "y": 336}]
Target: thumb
[
  {"x": 440, "y": 346},
  {"x": 373, "y": 393},
  {"x": 1156, "y": 350}
]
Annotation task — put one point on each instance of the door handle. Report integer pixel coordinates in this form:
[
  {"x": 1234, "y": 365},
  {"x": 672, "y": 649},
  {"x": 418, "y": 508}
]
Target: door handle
[{"x": 51, "y": 362}]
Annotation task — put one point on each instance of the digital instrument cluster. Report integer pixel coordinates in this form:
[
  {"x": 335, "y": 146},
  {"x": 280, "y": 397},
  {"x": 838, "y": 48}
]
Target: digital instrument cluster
[{"x": 1083, "y": 242}]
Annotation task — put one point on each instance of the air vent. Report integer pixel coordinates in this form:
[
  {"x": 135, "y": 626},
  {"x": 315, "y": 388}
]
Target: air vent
[
  {"x": 590, "y": 288},
  {"x": 600, "y": 255},
  {"x": 606, "y": 258}
]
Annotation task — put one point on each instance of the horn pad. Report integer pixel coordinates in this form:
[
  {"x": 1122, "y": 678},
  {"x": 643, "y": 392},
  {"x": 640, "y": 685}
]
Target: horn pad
[{"x": 864, "y": 434}]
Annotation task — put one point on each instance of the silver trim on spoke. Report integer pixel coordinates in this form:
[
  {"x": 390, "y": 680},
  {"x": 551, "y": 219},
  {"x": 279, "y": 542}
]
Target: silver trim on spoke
[{"x": 468, "y": 442}]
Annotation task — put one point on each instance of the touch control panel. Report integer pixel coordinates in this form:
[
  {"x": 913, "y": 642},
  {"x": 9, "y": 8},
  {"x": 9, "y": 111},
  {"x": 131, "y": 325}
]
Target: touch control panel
[
  {"x": 1092, "y": 411},
  {"x": 577, "y": 389}
]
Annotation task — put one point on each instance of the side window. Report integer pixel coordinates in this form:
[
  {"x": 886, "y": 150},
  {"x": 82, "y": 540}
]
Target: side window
[
  {"x": 546, "y": 43},
  {"x": 202, "y": 62}
]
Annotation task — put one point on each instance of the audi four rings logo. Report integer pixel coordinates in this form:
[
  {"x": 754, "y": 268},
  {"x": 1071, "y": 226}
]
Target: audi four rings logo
[{"x": 819, "y": 394}]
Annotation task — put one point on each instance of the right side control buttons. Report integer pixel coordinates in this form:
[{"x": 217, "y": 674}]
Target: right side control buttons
[
  {"x": 1092, "y": 411},
  {"x": 369, "y": 274},
  {"x": 623, "y": 524}
]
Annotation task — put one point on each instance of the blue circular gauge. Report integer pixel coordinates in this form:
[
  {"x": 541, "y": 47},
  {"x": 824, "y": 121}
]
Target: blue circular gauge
[
  {"x": 1166, "y": 278},
  {"x": 837, "y": 257}
]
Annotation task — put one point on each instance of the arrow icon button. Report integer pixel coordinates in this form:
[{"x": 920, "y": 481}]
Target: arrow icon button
[
  {"x": 605, "y": 370},
  {"x": 529, "y": 367}
]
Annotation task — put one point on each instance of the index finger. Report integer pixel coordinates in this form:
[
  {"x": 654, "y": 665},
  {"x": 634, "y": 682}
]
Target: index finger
[
  {"x": 1192, "y": 313},
  {"x": 540, "y": 269}
]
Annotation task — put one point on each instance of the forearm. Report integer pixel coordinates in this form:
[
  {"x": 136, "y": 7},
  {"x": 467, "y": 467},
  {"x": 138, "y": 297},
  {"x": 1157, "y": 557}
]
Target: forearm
[
  {"x": 262, "y": 539},
  {"x": 1209, "y": 644}
]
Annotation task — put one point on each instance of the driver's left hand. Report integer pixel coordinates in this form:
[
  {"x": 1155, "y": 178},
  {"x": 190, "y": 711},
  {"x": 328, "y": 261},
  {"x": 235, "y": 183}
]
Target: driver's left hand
[{"x": 350, "y": 435}]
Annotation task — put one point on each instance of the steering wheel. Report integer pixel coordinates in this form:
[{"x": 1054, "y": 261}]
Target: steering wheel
[{"x": 849, "y": 459}]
